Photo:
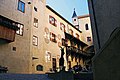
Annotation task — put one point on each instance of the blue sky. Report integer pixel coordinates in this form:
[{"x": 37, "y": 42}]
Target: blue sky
[{"x": 66, "y": 7}]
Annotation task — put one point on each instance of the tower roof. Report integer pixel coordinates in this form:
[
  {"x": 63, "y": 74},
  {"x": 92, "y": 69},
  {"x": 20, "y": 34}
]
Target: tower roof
[{"x": 74, "y": 14}]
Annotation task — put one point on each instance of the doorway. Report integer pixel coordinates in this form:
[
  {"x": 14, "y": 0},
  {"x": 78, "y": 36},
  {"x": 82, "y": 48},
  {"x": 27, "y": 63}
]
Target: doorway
[{"x": 54, "y": 64}]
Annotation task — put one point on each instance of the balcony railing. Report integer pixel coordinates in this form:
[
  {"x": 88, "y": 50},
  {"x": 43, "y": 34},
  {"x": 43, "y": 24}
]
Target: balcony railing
[
  {"x": 73, "y": 49},
  {"x": 77, "y": 51}
]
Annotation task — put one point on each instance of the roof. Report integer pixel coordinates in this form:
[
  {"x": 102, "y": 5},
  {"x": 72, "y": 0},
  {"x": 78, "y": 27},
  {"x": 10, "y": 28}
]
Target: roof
[
  {"x": 74, "y": 14},
  {"x": 83, "y": 16},
  {"x": 62, "y": 18}
]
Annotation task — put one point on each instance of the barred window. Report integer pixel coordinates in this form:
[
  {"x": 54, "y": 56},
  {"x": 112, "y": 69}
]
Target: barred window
[
  {"x": 20, "y": 30},
  {"x": 35, "y": 40},
  {"x": 36, "y": 22}
]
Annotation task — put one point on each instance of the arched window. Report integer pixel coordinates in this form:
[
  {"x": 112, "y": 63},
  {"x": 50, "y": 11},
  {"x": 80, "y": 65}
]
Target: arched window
[
  {"x": 62, "y": 27},
  {"x": 39, "y": 68},
  {"x": 71, "y": 32},
  {"x": 86, "y": 27}
]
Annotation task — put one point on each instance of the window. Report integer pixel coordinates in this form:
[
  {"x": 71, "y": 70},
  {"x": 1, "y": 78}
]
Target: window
[
  {"x": 52, "y": 21},
  {"x": 71, "y": 32},
  {"x": 53, "y": 37},
  {"x": 20, "y": 30},
  {"x": 77, "y": 36},
  {"x": 88, "y": 39},
  {"x": 48, "y": 56},
  {"x": 39, "y": 68},
  {"x": 21, "y": 6},
  {"x": 74, "y": 19},
  {"x": 86, "y": 27},
  {"x": 73, "y": 43},
  {"x": 36, "y": 22},
  {"x": 62, "y": 27},
  {"x": 64, "y": 42},
  {"x": 35, "y": 40},
  {"x": 47, "y": 35},
  {"x": 35, "y": 9},
  {"x": 14, "y": 48}
]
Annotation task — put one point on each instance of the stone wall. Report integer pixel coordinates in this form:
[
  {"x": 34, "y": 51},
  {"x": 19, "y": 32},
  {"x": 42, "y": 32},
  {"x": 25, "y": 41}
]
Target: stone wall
[{"x": 106, "y": 63}]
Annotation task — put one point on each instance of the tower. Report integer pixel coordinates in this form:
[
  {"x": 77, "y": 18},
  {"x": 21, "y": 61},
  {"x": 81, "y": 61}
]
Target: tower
[{"x": 75, "y": 19}]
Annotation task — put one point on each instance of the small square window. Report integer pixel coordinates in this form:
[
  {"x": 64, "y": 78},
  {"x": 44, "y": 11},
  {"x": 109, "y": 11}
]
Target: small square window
[
  {"x": 88, "y": 39},
  {"x": 35, "y": 40},
  {"x": 35, "y": 22},
  {"x": 21, "y": 6},
  {"x": 14, "y": 49}
]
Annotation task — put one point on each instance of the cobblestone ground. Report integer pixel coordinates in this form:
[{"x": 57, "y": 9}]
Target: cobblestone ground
[{"x": 24, "y": 77}]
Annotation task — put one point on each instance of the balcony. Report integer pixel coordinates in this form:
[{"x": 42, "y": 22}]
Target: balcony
[
  {"x": 7, "y": 29},
  {"x": 76, "y": 51},
  {"x": 74, "y": 39}
]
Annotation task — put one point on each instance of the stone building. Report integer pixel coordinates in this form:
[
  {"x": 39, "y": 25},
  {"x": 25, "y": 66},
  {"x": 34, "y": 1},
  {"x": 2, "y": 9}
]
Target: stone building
[
  {"x": 83, "y": 23},
  {"x": 19, "y": 54},
  {"x": 63, "y": 35},
  {"x": 106, "y": 36},
  {"x": 31, "y": 36}
]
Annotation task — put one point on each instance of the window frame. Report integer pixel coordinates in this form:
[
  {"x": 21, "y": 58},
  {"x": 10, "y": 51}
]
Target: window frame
[
  {"x": 52, "y": 21},
  {"x": 53, "y": 37},
  {"x": 35, "y": 22},
  {"x": 71, "y": 32},
  {"x": 36, "y": 40},
  {"x": 77, "y": 35},
  {"x": 21, "y": 6},
  {"x": 62, "y": 27},
  {"x": 89, "y": 39},
  {"x": 86, "y": 27},
  {"x": 20, "y": 30},
  {"x": 39, "y": 67},
  {"x": 64, "y": 42}
]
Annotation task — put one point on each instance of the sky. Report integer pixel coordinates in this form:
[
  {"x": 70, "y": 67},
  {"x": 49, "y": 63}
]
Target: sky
[{"x": 66, "y": 7}]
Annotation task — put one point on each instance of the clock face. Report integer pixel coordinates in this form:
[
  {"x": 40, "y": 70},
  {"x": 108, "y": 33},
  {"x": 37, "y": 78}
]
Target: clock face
[{"x": 46, "y": 35}]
